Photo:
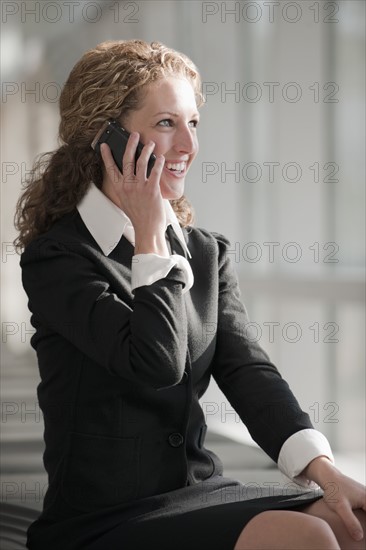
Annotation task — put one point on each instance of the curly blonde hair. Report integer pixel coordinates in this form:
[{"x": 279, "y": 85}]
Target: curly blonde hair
[{"x": 106, "y": 83}]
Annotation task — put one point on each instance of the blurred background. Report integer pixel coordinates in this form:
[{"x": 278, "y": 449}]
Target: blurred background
[{"x": 280, "y": 172}]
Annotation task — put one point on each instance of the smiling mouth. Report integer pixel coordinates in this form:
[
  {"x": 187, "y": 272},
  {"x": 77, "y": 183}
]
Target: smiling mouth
[{"x": 177, "y": 168}]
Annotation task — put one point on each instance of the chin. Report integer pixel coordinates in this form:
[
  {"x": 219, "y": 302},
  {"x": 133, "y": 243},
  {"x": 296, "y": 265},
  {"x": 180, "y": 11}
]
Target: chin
[{"x": 171, "y": 193}]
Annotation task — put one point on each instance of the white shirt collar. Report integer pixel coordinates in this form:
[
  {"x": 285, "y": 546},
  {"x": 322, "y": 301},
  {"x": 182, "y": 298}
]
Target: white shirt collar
[{"x": 107, "y": 223}]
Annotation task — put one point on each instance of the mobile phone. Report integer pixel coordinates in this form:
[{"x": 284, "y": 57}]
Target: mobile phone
[{"x": 116, "y": 137}]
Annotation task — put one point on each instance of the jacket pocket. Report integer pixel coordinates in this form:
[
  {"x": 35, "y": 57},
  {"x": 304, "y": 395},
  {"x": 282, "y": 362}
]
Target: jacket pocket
[{"x": 100, "y": 471}]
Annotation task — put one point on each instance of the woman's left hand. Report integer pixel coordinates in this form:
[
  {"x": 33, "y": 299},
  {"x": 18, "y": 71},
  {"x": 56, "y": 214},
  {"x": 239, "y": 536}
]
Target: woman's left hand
[{"x": 341, "y": 493}]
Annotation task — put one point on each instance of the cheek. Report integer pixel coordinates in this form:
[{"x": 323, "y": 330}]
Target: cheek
[
  {"x": 196, "y": 145},
  {"x": 162, "y": 144}
]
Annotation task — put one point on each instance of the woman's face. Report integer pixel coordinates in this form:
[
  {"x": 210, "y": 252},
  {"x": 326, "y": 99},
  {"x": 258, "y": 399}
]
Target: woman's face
[{"x": 169, "y": 117}]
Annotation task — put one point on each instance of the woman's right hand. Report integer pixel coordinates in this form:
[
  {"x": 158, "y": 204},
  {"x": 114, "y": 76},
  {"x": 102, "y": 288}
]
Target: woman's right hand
[{"x": 139, "y": 197}]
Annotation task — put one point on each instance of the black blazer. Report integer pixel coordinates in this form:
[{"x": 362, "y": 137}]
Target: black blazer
[{"x": 122, "y": 373}]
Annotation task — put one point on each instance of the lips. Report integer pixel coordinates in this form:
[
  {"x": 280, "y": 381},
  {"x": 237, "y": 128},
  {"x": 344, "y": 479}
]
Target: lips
[{"x": 177, "y": 167}]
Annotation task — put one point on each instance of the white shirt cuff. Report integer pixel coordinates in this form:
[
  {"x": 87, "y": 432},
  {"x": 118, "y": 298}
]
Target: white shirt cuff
[
  {"x": 299, "y": 450},
  {"x": 148, "y": 268}
]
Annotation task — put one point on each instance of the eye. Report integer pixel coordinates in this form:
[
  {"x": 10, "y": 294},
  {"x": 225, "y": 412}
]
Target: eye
[
  {"x": 168, "y": 120},
  {"x": 194, "y": 123}
]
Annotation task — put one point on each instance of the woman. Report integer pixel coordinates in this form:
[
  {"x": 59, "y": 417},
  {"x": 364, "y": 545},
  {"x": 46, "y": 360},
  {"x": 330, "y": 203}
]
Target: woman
[{"x": 130, "y": 326}]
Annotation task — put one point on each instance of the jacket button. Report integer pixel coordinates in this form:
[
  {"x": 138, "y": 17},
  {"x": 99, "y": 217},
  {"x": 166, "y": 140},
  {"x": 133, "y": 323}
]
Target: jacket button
[{"x": 175, "y": 439}]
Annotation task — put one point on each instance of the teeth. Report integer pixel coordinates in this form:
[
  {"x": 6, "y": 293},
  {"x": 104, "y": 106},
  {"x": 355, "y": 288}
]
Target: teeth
[{"x": 176, "y": 166}]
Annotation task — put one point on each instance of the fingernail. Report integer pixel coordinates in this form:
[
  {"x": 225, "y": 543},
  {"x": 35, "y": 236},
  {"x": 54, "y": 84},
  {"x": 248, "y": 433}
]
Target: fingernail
[{"x": 358, "y": 535}]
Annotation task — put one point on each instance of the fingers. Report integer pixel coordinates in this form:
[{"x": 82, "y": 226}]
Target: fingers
[
  {"x": 351, "y": 522},
  {"x": 110, "y": 165},
  {"x": 128, "y": 161},
  {"x": 157, "y": 169},
  {"x": 141, "y": 165}
]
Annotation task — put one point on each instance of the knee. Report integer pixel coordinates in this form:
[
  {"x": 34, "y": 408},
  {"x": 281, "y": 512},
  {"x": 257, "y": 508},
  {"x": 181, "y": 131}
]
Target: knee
[
  {"x": 320, "y": 533},
  {"x": 286, "y": 530},
  {"x": 311, "y": 532}
]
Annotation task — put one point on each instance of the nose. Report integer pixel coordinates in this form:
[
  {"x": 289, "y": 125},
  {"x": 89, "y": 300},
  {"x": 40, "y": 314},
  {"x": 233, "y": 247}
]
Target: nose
[{"x": 185, "y": 140}]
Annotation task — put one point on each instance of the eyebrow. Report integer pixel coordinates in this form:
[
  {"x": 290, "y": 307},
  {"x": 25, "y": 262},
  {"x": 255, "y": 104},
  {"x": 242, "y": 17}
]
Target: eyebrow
[{"x": 173, "y": 114}]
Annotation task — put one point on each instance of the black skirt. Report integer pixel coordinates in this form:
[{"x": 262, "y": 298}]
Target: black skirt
[{"x": 208, "y": 515}]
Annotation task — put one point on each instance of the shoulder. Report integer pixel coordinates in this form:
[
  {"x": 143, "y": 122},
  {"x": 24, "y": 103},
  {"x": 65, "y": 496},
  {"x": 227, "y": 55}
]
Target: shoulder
[
  {"x": 67, "y": 235},
  {"x": 198, "y": 237},
  {"x": 200, "y": 234}
]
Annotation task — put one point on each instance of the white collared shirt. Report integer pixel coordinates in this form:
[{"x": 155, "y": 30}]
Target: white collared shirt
[{"x": 107, "y": 223}]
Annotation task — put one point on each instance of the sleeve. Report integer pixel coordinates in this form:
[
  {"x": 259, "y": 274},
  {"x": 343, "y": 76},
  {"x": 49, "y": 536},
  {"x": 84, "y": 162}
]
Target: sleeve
[
  {"x": 244, "y": 373},
  {"x": 299, "y": 450},
  {"x": 143, "y": 342},
  {"x": 148, "y": 268}
]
